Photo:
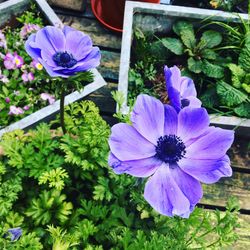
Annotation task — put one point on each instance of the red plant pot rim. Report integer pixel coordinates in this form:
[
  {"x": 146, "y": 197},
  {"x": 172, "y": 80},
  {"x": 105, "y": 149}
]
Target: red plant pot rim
[{"x": 97, "y": 14}]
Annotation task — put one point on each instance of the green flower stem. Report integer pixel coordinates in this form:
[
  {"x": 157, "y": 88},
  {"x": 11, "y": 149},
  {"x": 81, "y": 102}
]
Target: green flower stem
[{"x": 62, "y": 111}]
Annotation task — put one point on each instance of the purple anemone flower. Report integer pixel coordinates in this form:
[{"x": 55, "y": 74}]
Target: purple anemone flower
[
  {"x": 63, "y": 52},
  {"x": 16, "y": 233},
  {"x": 176, "y": 151},
  {"x": 181, "y": 90}
]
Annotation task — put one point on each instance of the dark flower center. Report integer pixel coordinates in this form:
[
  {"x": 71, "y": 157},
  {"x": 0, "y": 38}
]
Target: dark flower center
[
  {"x": 170, "y": 148},
  {"x": 64, "y": 59},
  {"x": 184, "y": 103}
]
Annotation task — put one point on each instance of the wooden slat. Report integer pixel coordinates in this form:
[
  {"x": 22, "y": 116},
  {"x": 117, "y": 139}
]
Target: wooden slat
[
  {"x": 103, "y": 98},
  {"x": 244, "y": 233},
  {"x": 110, "y": 62},
  {"x": 238, "y": 185},
  {"x": 100, "y": 35},
  {"x": 240, "y": 153}
]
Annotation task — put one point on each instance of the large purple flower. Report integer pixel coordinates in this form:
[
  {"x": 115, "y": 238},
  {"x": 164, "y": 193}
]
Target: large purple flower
[
  {"x": 176, "y": 150},
  {"x": 63, "y": 52},
  {"x": 181, "y": 90}
]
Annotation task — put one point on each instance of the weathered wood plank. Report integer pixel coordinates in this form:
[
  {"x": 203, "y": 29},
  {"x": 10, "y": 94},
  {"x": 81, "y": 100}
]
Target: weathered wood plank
[
  {"x": 240, "y": 153},
  {"x": 100, "y": 35},
  {"x": 103, "y": 98},
  {"x": 238, "y": 186},
  {"x": 244, "y": 233},
  {"x": 110, "y": 62}
]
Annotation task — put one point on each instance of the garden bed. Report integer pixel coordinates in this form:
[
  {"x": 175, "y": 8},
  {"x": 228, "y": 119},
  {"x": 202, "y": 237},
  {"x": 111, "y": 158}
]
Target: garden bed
[
  {"x": 17, "y": 90},
  {"x": 160, "y": 19}
]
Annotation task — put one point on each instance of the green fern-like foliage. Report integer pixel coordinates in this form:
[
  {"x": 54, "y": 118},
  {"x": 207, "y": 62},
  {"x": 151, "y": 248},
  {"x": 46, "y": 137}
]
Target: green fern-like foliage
[
  {"x": 86, "y": 144},
  {"x": 50, "y": 207}
]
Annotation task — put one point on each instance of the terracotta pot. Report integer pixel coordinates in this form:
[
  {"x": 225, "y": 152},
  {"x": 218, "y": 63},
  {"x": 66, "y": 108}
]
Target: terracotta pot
[{"x": 110, "y": 12}]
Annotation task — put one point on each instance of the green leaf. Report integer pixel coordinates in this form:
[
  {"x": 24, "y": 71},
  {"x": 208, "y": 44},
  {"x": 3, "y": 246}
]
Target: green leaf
[
  {"x": 186, "y": 31},
  {"x": 243, "y": 110},
  {"x": 212, "y": 70},
  {"x": 229, "y": 95},
  {"x": 210, "y": 39},
  {"x": 244, "y": 59},
  {"x": 180, "y": 26},
  {"x": 194, "y": 66},
  {"x": 237, "y": 74},
  {"x": 174, "y": 45},
  {"x": 210, "y": 98},
  {"x": 209, "y": 54}
]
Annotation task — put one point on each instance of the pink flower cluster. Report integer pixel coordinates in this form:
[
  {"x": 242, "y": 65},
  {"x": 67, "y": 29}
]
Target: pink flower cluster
[
  {"x": 28, "y": 28},
  {"x": 28, "y": 77},
  {"x": 13, "y": 61},
  {"x": 47, "y": 97}
]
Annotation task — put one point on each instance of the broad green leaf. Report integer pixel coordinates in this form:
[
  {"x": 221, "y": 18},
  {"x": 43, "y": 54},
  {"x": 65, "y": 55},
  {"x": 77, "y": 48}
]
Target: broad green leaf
[
  {"x": 212, "y": 70},
  {"x": 246, "y": 87},
  {"x": 210, "y": 39},
  {"x": 194, "y": 66},
  {"x": 180, "y": 26},
  {"x": 186, "y": 31},
  {"x": 243, "y": 110},
  {"x": 209, "y": 54},
  {"x": 174, "y": 45},
  {"x": 244, "y": 58},
  {"x": 5, "y": 91},
  {"x": 229, "y": 95},
  {"x": 210, "y": 98},
  {"x": 237, "y": 74}
]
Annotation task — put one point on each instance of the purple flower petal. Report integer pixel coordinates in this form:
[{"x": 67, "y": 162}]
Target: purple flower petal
[
  {"x": 79, "y": 44},
  {"x": 31, "y": 48},
  {"x": 67, "y": 29},
  {"x": 213, "y": 145},
  {"x": 171, "y": 120},
  {"x": 51, "y": 39},
  {"x": 189, "y": 186},
  {"x": 124, "y": 143},
  {"x": 164, "y": 195},
  {"x": 175, "y": 98},
  {"x": 194, "y": 102},
  {"x": 192, "y": 122},
  {"x": 138, "y": 168},
  {"x": 50, "y": 70},
  {"x": 173, "y": 77},
  {"x": 187, "y": 87},
  {"x": 207, "y": 171},
  {"x": 47, "y": 58},
  {"x": 148, "y": 117}
]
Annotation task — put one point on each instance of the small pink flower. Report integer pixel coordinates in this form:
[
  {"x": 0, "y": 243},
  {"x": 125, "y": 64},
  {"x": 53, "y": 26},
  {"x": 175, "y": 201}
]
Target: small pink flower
[
  {"x": 28, "y": 77},
  {"x": 36, "y": 65},
  {"x": 7, "y": 100},
  {"x": 13, "y": 61},
  {"x": 15, "y": 110},
  {"x": 50, "y": 98},
  {"x": 26, "y": 107},
  {"x": 28, "y": 28},
  {"x": 3, "y": 78},
  {"x": 16, "y": 92}
]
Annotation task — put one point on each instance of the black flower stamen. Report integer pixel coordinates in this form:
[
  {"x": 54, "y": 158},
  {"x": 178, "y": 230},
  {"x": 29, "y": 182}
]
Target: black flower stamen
[
  {"x": 170, "y": 148},
  {"x": 64, "y": 59}
]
